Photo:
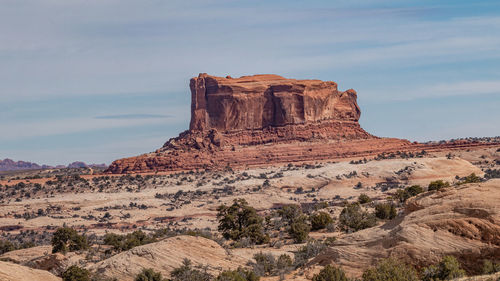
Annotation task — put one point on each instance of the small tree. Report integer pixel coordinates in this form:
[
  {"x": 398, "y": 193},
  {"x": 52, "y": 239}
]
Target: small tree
[
  {"x": 66, "y": 238},
  {"x": 75, "y": 273},
  {"x": 299, "y": 229},
  {"x": 352, "y": 218},
  {"x": 437, "y": 185},
  {"x": 240, "y": 274},
  {"x": 391, "y": 269},
  {"x": 186, "y": 273},
  {"x": 448, "y": 268},
  {"x": 472, "y": 178},
  {"x": 239, "y": 221},
  {"x": 363, "y": 199},
  {"x": 385, "y": 211},
  {"x": 330, "y": 273},
  {"x": 320, "y": 220},
  {"x": 149, "y": 275}
]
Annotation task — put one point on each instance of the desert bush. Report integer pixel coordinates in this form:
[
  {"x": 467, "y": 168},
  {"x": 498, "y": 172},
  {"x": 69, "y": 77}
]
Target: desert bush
[
  {"x": 489, "y": 267},
  {"x": 148, "y": 274},
  {"x": 472, "y": 178},
  {"x": 408, "y": 192},
  {"x": 299, "y": 229},
  {"x": 448, "y": 268},
  {"x": 128, "y": 241},
  {"x": 437, "y": 185},
  {"x": 240, "y": 274},
  {"x": 289, "y": 213},
  {"x": 310, "y": 250},
  {"x": 6, "y": 246},
  {"x": 363, "y": 199},
  {"x": 187, "y": 273},
  {"x": 391, "y": 269},
  {"x": 240, "y": 220},
  {"x": 385, "y": 211},
  {"x": 265, "y": 264},
  {"x": 352, "y": 218},
  {"x": 76, "y": 273},
  {"x": 330, "y": 273},
  {"x": 66, "y": 238},
  {"x": 320, "y": 220}
]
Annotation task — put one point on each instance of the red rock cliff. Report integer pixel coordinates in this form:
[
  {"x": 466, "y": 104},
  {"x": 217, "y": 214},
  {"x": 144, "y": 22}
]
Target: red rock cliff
[
  {"x": 262, "y": 119},
  {"x": 260, "y": 101}
]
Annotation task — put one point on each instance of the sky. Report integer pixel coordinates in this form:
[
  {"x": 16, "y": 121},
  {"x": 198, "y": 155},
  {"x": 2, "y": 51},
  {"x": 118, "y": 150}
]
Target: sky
[{"x": 98, "y": 80}]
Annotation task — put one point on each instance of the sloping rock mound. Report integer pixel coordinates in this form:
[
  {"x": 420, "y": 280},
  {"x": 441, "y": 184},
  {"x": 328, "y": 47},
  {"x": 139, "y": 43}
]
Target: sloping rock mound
[
  {"x": 166, "y": 255},
  {"x": 464, "y": 222},
  {"x": 14, "y": 272}
]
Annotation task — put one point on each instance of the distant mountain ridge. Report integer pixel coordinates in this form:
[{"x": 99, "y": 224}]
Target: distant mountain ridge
[{"x": 11, "y": 165}]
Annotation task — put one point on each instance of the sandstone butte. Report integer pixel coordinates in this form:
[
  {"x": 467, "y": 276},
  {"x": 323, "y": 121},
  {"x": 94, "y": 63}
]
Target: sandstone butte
[{"x": 264, "y": 119}]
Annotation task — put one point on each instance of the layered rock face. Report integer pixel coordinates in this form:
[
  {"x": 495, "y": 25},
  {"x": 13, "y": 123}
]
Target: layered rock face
[
  {"x": 235, "y": 120},
  {"x": 261, "y": 101}
]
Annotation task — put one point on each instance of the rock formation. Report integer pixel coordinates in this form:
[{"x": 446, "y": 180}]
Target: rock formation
[{"x": 234, "y": 120}]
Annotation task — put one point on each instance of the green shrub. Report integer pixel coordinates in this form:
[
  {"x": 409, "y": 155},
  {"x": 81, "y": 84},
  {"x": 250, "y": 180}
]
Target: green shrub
[
  {"x": 448, "y": 268},
  {"x": 149, "y": 275},
  {"x": 284, "y": 262},
  {"x": 330, "y": 273},
  {"x": 75, "y": 273},
  {"x": 187, "y": 273},
  {"x": 352, "y": 218},
  {"x": 128, "y": 241},
  {"x": 265, "y": 264},
  {"x": 289, "y": 213},
  {"x": 320, "y": 220},
  {"x": 363, "y": 199},
  {"x": 391, "y": 269},
  {"x": 6, "y": 246},
  {"x": 472, "y": 178},
  {"x": 240, "y": 274},
  {"x": 66, "y": 238},
  {"x": 385, "y": 211},
  {"x": 408, "y": 192},
  {"x": 489, "y": 267},
  {"x": 299, "y": 229},
  {"x": 437, "y": 185},
  {"x": 241, "y": 221}
]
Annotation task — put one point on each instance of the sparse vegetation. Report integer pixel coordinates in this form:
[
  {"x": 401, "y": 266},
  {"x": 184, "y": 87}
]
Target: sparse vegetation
[
  {"x": 67, "y": 239},
  {"x": 405, "y": 194},
  {"x": 391, "y": 269},
  {"x": 385, "y": 211},
  {"x": 76, "y": 273},
  {"x": 353, "y": 218},
  {"x": 363, "y": 199},
  {"x": 448, "y": 268},
  {"x": 330, "y": 273},
  {"x": 320, "y": 220},
  {"x": 241, "y": 221},
  {"x": 187, "y": 273},
  {"x": 438, "y": 185},
  {"x": 128, "y": 241},
  {"x": 240, "y": 274},
  {"x": 148, "y": 274}
]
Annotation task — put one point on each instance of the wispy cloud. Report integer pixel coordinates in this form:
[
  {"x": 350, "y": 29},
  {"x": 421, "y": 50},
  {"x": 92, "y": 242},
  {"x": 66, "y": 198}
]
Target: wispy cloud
[{"x": 134, "y": 116}]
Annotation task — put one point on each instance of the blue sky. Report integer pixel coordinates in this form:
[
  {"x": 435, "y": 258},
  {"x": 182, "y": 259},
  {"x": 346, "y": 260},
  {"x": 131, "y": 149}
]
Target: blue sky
[{"x": 96, "y": 80}]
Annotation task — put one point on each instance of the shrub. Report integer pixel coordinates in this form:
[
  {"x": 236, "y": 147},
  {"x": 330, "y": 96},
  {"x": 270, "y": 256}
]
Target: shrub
[
  {"x": 352, "y": 218},
  {"x": 149, "y": 275},
  {"x": 128, "y": 241},
  {"x": 472, "y": 178},
  {"x": 289, "y": 213},
  {"x": 75, "y": 273},
  {"x": 385, "y": 211},
  {"x": 391, "y": 269},
  {"x": 186, "y": 273},
  {"x": 330, "y": 273},
  {"x": 363, "y": 199},
  {"x": 240, "y": 220},
  {"x": 240, "y": 274},
  {"x": 310, "y": 250},
  {"x": 490, "y": 267},
  {"x": 6, "y": 246},
  {"x": 66, "y": 238},
  {"x": 265, "y": 264},
  {"x": 408, "y": 192},
  {"x": 320, "y": 220},
  {"x": 299, "y": 229},
  {"x": 437, "y": 185},
  {"x": 448, "y": 268}
]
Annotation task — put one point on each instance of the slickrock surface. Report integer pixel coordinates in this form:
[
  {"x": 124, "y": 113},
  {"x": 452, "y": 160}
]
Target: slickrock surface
[
  {"x": 166, "y": 255},
  {"x": 14, "y": 272},
  {"x": 463, "y": 222}
]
